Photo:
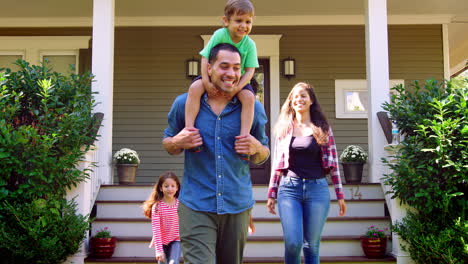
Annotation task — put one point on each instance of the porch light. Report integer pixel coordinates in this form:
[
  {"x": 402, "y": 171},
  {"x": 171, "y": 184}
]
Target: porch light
[
  {"x": 289, "y": 67},
  {"x": 192, "y": 68}
]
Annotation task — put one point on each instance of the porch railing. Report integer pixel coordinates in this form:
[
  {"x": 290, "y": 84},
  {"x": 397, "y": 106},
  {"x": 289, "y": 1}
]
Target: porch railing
[{"x": 86, "y": 192}]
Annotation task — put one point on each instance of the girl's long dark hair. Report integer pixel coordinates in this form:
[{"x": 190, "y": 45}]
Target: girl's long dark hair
[{"x": 157, "y": 195}]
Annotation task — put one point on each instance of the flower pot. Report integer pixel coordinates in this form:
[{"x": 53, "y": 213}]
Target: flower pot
[
  {"x": 126, "y": 173},
  {"x": 374, "y": 247},
  {"x": 353, "y": 171},
  {"x": 102, "y": 247}
]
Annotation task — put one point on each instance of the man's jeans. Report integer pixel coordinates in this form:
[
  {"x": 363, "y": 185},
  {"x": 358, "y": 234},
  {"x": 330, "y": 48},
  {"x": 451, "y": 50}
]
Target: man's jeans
[
  {"x": 303, "y": 207},
  {"x": 172, "y": 252}
]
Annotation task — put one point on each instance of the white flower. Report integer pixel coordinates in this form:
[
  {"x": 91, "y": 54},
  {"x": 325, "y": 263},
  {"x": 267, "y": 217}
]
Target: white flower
[
  {"x": 353, "y": 153},
  {"x": 126, "y": 156}
]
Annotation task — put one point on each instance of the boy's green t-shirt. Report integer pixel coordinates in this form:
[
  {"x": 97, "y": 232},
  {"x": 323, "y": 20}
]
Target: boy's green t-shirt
[{"x": 246, "y": 46}]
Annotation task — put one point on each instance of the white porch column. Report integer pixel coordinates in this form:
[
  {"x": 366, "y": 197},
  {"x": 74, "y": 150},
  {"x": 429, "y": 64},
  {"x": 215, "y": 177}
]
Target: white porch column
[
  {"x": 103, "y": 70},
  {"x": 446, "y": 45},
  {"x": 377, "y": 81},
  {"x": 378, "y": 88}
]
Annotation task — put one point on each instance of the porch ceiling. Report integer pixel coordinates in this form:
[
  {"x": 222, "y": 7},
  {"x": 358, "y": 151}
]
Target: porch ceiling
[
  {"x": 149, "y": 8},
  {"x": 78, "y": 13}
]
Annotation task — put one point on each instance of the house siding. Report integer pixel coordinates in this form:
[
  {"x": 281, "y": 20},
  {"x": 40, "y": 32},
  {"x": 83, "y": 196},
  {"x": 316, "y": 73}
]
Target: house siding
[
  {"x": 150, "y": 70},
  {"x": 150, "y": 73}
]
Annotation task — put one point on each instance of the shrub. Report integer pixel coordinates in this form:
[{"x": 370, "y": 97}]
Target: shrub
[
  {"x": 431, "y": 169},
  {"x": 429, "y": 243},
  {"x": 40, "y": 232},
  {"x": 45, "y": 119}
]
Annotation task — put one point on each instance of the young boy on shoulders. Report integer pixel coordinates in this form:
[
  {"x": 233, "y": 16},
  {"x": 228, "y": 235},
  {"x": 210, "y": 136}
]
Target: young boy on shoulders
[{"x": 237, "y": 20}]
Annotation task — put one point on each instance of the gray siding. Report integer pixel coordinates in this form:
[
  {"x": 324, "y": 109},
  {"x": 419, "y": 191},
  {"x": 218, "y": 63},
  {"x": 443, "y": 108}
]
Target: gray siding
[
  {"x": 150, "y": 73},
  {"x": 326, "y": 53}
]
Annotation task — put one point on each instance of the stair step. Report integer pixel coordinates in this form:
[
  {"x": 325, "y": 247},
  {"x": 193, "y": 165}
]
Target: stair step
[
  {"x": 119, "y": 208},
  {"x": 263, "y": 226},
  {"x": 272, "y": 246},
  {"x": 131, "y": 209},
  {"x": 251, "y": 260},
  {"x": 140, "y": 192}
]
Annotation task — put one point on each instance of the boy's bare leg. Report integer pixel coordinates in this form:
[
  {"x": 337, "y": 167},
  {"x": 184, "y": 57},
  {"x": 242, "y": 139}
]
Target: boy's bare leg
[
  {"x": 247, "y": 99},
  {"x": 192, "y": 105}
]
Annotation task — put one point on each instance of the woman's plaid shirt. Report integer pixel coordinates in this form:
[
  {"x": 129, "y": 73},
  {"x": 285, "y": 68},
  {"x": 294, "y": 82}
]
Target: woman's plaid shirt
[{"x": 280, "y": 164}]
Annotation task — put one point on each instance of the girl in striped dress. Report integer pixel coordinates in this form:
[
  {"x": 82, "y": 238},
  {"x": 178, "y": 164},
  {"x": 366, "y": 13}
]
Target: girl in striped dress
[{"x": 161, "y": 207}]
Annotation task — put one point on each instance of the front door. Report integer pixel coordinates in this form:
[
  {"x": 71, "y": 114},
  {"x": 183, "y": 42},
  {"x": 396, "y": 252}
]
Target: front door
[{"x": 261, "y": 173}]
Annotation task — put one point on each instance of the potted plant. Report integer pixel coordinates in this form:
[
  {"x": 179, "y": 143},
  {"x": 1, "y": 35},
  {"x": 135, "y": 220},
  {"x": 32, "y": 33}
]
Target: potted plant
[
  {"x": 374, "y": 242},
  {"x": 126, "y": 161},
  {"x": 353, "y": 159},
  {"x": 103, "y": 244}
]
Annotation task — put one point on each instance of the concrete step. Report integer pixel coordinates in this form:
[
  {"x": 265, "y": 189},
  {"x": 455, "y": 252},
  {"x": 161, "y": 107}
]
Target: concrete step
[
  {"x": 132, "y": 209},
  {"x": 141, "y": 192},
  {"x": 251, "y": 260},
  {"x": 272, "y": 246},
  {"x": 353, "y": 226}
]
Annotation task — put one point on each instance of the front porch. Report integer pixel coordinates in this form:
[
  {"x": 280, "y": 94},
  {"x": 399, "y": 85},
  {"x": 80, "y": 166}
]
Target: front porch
[{"x": 138, "y": 54}]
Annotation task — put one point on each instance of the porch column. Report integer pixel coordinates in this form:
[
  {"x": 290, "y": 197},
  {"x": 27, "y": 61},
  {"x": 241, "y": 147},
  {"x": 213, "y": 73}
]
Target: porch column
[
  {"x": 377, "y": 81},
  {"x": 378, "y": 84},
  {"x": 103, "y": 70}
]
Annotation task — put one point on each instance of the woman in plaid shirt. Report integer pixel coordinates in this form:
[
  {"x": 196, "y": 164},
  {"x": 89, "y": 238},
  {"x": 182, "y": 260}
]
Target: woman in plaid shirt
[{"x": 305, "y": 153}]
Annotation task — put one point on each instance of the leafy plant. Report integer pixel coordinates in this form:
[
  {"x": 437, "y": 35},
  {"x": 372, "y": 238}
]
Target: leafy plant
[
  {"x": 428, "y": 242},
  {"x": 353, "y": 153},
  {"x": 431, "y": 168},
  {"x": 40, "y": 232},
  {"x": 375, "y": 232},
  {"x": 103, "y": 233},
  {"x": 126, "y": 156},
  {"x": 45, "y": 120}
]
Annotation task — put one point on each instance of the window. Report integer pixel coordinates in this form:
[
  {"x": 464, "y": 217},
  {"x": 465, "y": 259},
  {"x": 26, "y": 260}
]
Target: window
[
  {"x": 7, "y": 59},
  {"x": 351, "y": 98},
  {"x": 60, "y": 61},
  {"x": 60, "y": 51}
]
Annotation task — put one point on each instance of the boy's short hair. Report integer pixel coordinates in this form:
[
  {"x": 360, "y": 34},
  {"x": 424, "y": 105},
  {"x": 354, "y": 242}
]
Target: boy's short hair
[
  {"x": 240, "y": 7},
  {"x": 221, "y": 46}
]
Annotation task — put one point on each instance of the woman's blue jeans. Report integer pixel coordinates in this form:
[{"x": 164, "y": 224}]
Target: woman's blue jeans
[
  {"x": 303, "y": 207},
  {"x": 172, "y": 252}
]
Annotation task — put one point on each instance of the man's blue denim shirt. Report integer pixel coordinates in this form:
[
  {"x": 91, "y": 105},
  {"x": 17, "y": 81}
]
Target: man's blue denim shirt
[{"x": 216, "y": 180}]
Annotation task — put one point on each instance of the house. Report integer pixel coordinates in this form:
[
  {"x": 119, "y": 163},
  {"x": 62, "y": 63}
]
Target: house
[{"x": 138, "y": 51}]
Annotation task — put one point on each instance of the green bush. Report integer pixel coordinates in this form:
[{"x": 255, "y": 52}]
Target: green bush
[
  {"x": 431, "y": 169},
  {"x": 45, "y": 123},
  {"x": 41, "y": 232},
  {"x": 429, "y": 243}
]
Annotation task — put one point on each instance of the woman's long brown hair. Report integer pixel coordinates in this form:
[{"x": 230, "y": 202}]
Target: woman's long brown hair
[
  {"x": 317, "y": 117},
  {"x": 157, "y": 195}
]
